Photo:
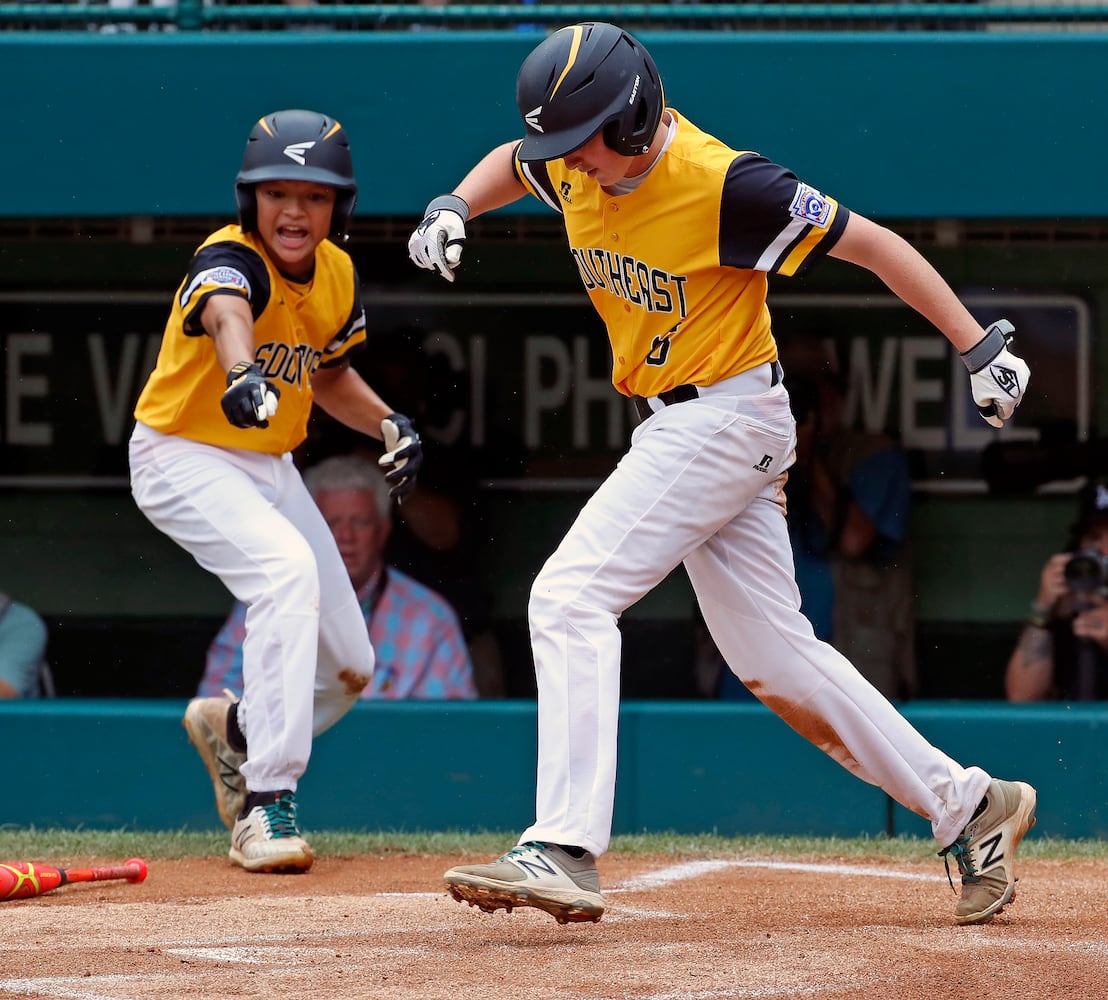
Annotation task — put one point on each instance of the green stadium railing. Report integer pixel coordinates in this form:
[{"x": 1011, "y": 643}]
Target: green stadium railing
[{"x": 195, "y": 15}]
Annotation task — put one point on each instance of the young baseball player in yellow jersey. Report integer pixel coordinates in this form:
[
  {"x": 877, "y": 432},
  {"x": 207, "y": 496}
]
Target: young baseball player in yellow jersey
[
  {"x": 674, "y": 235},
  {"x": 265, "y": 322}
]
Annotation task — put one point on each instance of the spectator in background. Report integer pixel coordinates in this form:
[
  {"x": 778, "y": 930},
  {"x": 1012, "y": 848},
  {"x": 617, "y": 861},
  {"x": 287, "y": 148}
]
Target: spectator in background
[
  {"x": 420, "y": 649},
  {"x": 22, "y": 650},
  {"x": 1062, "y": 651},
  {"x": 849, "y": 497},
  {"x": 436, "y": 531}
]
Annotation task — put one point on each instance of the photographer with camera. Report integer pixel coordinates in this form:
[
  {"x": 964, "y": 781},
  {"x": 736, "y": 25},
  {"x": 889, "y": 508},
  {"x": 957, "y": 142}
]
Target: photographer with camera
[{"x": 1062, "y": 651}]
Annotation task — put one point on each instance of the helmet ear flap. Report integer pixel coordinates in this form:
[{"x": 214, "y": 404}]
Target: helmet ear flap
[
  {"x": 611, "y": 136},
  {"x": 342, "y": 214},
  {"x": 246, "y": 201},
  {"x": 633, "y": 140},
  {"x": 632, "y": 132}
]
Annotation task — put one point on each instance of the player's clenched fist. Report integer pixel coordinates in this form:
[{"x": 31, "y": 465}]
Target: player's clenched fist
[
  {"x": 437, "y": 243},
  {"x": 250, "y": 398},
  {"x": 403, "y": 454},
  {"x": 998, "y": 379}
]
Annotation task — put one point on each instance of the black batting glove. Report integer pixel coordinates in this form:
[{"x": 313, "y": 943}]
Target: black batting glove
[
  {"x": 250, "y": 398},
  {"x": 403, "y": 454}
]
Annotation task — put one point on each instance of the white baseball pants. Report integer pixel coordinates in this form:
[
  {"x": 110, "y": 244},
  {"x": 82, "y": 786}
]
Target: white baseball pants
[
  {"x": 248, "y": 518},
  {"x": 702, "y": 484}
]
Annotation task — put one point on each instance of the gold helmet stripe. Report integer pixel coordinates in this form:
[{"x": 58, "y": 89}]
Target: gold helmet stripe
[
  {"x": 574, "y": 48},
  {"x": 261, "y": 121},
  {"x": 334, "y": 129}
]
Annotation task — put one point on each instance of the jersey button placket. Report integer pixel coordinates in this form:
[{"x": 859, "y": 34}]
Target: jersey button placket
[
  {"x": 612, "y": 208},
  {"x": 298, "y": 325}
]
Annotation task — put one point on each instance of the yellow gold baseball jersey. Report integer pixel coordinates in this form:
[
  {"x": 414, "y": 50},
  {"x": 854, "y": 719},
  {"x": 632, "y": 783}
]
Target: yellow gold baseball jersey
[
  {"x": 677, "y": 267},
  {"x": 297, "y": 329}
]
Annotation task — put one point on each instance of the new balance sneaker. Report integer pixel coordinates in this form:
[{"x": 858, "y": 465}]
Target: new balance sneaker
[
  {"x": 986, "y": 850},
  {"x": 534, "y": 874},
  {"x": 206, "y": 723},
  {"x": 266, "y": 837}
]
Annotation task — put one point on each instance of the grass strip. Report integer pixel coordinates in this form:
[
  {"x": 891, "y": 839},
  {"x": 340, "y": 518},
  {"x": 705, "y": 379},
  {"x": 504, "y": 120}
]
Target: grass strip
[{"x": 52, "y": 845}]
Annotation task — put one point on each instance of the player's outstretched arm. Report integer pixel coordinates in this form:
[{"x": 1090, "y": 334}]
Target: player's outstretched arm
[
  {"x": 250, "y": 399},
  {"x": 228, "y": 321},
  {"x": 998, "y": 379},
  {"x": 347, "y": 397},
  {"x": 909, "y": 276},
  {"x": 492, "y": 183},
  {"x": 437, "y": 243}
]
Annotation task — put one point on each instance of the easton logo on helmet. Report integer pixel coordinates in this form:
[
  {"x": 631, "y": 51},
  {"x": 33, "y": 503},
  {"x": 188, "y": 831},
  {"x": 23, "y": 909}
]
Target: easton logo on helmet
[
  {"x": 296, "y": 150},
  {"x": 532, "y": 118},
  {"x": 635, "y": 89}
]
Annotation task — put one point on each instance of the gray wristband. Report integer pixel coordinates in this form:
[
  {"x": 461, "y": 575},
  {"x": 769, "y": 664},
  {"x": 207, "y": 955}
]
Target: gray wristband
[
  {"x": 988, "y": 347},
  {"x": 452, "y": 203}
]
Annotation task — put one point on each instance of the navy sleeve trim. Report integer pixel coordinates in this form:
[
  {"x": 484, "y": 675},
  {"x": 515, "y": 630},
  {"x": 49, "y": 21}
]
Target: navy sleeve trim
[
  {"x": 233, "y": 263},
  {"x": 766, "y": 212}
]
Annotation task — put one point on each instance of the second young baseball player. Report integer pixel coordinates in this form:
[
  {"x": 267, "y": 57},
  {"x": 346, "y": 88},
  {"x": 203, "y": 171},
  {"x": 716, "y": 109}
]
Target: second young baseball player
[
  {"x": 263, "y": 324},
  {"x": 674, "y": 234}
]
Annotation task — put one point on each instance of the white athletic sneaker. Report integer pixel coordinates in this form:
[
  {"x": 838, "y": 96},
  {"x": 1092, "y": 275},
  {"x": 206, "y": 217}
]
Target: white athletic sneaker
[
  {"x": 206, "y": 723},
  {"x": 986, "y": 850},
  {"x": 534, "y": 874},
  {"x": 267, "y": 838}
]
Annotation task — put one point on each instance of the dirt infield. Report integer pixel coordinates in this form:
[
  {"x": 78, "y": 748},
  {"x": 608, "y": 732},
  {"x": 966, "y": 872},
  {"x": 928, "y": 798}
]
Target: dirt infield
[{"x": 675, "y": 929}]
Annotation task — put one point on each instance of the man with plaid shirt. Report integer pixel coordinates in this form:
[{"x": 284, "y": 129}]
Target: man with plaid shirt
[{"x": 421, "y": 653}]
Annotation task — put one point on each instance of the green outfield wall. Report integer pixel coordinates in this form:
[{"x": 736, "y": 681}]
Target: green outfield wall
[
  {"x": 897, "y": 125},
  {"x": 690, "y": 768}
]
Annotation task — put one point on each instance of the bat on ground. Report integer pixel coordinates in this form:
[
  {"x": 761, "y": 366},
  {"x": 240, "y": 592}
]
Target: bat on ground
[{"x": 23, "y": 879}]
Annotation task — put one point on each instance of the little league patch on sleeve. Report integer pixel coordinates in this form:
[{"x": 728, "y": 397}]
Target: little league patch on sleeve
[
  {"x": 223, "y": 276},
  {"x": 810, "y": 206}
]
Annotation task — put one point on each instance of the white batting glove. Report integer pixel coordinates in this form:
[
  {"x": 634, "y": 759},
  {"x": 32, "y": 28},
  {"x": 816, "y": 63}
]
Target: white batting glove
[
  {"x": 998, "y": 379},
  {"x": 437, "y": 243}
]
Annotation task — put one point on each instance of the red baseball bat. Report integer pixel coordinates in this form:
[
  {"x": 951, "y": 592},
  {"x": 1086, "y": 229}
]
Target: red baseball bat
[{"x": 23, "y": 879}]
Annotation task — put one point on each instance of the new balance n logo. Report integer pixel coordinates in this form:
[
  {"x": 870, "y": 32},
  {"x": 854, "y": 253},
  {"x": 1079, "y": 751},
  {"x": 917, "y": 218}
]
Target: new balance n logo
[
  {"x": 244, "y": 836},
  {"x": 537, "y": 866},
  {"x": 764, "y": 464},
  {"x": 989, "y": 847},
  {"x": 229, "y": 774}
]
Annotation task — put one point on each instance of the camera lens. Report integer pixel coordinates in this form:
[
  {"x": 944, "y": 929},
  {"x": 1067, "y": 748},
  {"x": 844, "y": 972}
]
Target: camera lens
[{"x": 1084, "y": 573}]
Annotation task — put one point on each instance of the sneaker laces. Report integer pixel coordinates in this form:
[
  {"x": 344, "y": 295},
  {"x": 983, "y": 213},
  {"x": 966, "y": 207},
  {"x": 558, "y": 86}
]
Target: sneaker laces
[
  {"x": 963, "y": 857},
  {"x": 521, "y": 849},
  {"x": 281, "y": 817}
]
